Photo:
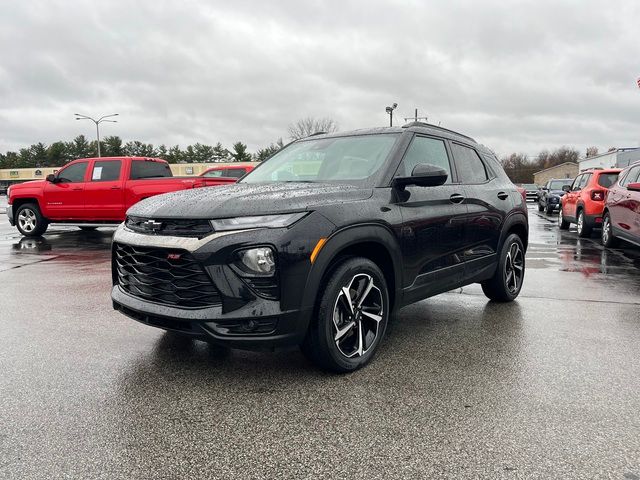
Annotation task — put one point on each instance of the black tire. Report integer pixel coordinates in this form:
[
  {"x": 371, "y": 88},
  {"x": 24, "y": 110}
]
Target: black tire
[
  {"x": 549, "y": 210},
  {"x": 88, "y": 229},
  {"x": 584, "y": 231},
  {"x": 609, "y": 240},
  {"x": 502, "y": 287},
  {"x": 562, "y": 223},
  {"x": 540, "y": 207},
  {"x": 361, "y": 332},
  {"x": 29, "y": 220}
]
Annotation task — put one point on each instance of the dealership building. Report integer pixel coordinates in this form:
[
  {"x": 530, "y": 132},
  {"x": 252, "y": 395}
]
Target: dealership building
[{"x": 618, "y": 158}]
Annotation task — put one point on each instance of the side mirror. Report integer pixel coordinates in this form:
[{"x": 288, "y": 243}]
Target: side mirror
[
  {"x": 545, "y": 189},
  {"x": 423, "y": 175},
  {"x": 566, "y": 188},
  {"x": 635, "y": 187},
  {"x": 51, "y": 178}
]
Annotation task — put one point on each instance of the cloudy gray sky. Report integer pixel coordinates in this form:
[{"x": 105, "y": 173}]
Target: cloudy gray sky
[{"x": 518, "y": 75}]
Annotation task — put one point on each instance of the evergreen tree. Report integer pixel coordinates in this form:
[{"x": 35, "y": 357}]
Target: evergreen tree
[{"x": 240, "y": 153}]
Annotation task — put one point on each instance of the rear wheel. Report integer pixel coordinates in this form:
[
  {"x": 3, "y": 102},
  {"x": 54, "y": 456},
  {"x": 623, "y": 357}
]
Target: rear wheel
[
  {"x": 583, "y": 229},
  {"x": 562, "y": 223},
  {"x": 30, "y": 221},
  {"x": 351, "y": 319},
  {"x": 608, "y": 239},
  {"x": 506, "y": 283}
]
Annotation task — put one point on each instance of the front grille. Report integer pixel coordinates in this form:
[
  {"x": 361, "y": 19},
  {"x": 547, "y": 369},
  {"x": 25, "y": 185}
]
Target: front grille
[
  {"x": 197, "y": 228},
  {"x": 149, "y": 274}
]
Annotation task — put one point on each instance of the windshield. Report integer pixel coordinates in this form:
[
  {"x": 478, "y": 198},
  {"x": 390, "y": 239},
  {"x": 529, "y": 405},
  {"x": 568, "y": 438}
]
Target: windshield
[
  {"x": 338, "y": 159},
  {"x": 558, "y": 184}
]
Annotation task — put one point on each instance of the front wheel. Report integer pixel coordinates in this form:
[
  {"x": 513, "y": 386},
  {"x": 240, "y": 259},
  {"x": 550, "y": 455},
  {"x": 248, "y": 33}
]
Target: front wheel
[
  {"x": 29, "y": 220},
  {"x": 608, "y": 239},
  {"x": 506, "y": 283},
  {"x": 352, "y": 316}
]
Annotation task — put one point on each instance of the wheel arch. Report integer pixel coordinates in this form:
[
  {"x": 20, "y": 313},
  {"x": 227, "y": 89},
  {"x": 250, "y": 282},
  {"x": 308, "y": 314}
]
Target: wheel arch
[
  {"x": 18, "y": 202},
  {"x": 372, "y": 241},
  {"x": 516, "y": 223}
]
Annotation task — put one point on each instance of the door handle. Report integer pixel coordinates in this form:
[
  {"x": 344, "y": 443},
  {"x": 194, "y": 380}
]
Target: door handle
[
  {"x": 503, "y": 195},
  {"x": 115, "y": 188},
  {"x": 456, "y": 198},
  {"x": 76, "y": 189}
]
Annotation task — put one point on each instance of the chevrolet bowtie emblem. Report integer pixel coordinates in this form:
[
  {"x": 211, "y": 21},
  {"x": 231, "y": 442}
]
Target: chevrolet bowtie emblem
[{"x": 152, "y": 225}]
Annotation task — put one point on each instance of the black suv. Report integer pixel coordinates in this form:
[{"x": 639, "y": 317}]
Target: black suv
[{"x": 322, "y": 242}]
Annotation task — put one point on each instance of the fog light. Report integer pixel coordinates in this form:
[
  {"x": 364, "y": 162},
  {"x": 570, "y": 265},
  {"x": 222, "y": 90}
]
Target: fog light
[{"x": 258, "y": 260}]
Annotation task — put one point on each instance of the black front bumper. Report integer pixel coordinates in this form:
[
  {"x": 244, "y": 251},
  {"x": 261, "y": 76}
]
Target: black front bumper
[{"x": 241, "y": 328}]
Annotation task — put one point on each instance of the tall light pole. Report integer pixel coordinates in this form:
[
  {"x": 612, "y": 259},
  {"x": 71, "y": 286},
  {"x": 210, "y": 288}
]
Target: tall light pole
[
  {"x": 390, "y": 110},
  {"x": 97, "y": 122}
]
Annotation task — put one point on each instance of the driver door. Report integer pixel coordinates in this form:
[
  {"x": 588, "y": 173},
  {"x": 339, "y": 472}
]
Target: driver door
[
  {"x": 65, "y": 198},
  {"x": 433, "y": 223}
]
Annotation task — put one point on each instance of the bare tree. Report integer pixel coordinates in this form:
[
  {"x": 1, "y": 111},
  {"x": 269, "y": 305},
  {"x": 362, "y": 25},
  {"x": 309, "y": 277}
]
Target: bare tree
[
  {"x": 309, "y": 125},
  {"x": 592, "y": 151}
]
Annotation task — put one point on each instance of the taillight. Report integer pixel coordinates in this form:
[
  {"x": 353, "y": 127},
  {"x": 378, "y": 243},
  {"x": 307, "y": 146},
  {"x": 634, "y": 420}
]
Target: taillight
[{"x": 597, "y": 195}]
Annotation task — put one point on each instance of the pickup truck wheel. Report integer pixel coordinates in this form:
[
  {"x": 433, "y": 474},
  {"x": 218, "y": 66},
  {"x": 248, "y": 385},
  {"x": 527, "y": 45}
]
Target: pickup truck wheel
[
  {"x": 351, "y": 319},
  {"x": 88, "y": 229},
  {"x": 30, "y": 221},
  {"x": 506, "y": 283},
  {"x": 608, "y": 239}
]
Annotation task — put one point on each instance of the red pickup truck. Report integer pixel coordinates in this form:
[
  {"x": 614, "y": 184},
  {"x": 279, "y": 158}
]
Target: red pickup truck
[{"x": 93, "y": 192}]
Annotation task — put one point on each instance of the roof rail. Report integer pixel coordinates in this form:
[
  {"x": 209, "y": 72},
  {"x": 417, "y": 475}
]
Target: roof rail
[{"x": 436, "y": 127}]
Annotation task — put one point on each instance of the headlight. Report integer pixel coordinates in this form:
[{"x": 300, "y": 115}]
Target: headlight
[
  {"x": 262, "y": 221},
  {"x": 259, "y": 261}
]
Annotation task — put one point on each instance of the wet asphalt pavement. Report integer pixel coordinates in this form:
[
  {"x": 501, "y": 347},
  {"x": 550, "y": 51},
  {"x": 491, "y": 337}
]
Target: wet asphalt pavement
[{"x": 544, "y": 387}]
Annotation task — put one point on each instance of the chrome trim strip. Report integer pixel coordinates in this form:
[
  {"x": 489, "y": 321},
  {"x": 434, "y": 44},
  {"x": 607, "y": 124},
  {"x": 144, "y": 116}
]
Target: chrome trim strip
[{"x": 124, "y": 235}]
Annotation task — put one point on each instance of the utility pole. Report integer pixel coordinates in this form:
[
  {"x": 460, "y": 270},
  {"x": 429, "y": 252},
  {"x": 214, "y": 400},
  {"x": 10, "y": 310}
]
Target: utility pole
[{"x": 97, "y": 122}]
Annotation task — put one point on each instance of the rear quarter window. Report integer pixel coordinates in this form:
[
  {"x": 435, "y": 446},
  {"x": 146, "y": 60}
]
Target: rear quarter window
[
  {"x": 607, "y": 179},
  {"x": 148, "y": 169}
]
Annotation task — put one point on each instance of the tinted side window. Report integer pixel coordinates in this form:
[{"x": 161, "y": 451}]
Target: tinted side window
[
  {"x": 584, "y": 181},
  {"x": 607, "y": 179},
  {"x": 149, "y": 169},
  {"x": 425, "y": 150},
  {"x": 470, "y": 167},
  {"x": 576, "y": 183},
  {"x": 234, "y": 172},
  {"x": 106, "y": 171},
  {"x": 73, "y": 173}
]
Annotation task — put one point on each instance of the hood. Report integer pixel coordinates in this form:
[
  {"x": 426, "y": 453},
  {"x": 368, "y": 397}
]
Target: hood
[
  {"x": 30, "y": 183},
  {"x": 244, "y": 199},
  {"x": 559, "y": 193}
]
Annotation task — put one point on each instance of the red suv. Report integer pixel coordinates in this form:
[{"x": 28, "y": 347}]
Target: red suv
[
  {"x": 621, "y": 217},
  {"x": 584, "y": 201}
]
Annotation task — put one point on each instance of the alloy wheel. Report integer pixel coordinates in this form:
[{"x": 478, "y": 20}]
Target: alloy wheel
[
  {"x": 27, "y": 220},
  {"x": 514, "y": 268},
  {"x": 580, "y": 222},
  {"x": 357, "y": 313},
  {"x": 606, "y": 229}
]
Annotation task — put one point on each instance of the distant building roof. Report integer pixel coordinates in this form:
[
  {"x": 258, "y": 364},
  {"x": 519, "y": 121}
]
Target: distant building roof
[
  {"x": 556, "y": 166},
  {"x": 616, "y": 151}
]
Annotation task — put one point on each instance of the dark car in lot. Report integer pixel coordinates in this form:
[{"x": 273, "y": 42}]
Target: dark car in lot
[
  {"x": 322, "y": 242},
  {"x": 550, "y": 194},
  {"x": 621, "y": 213}
]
